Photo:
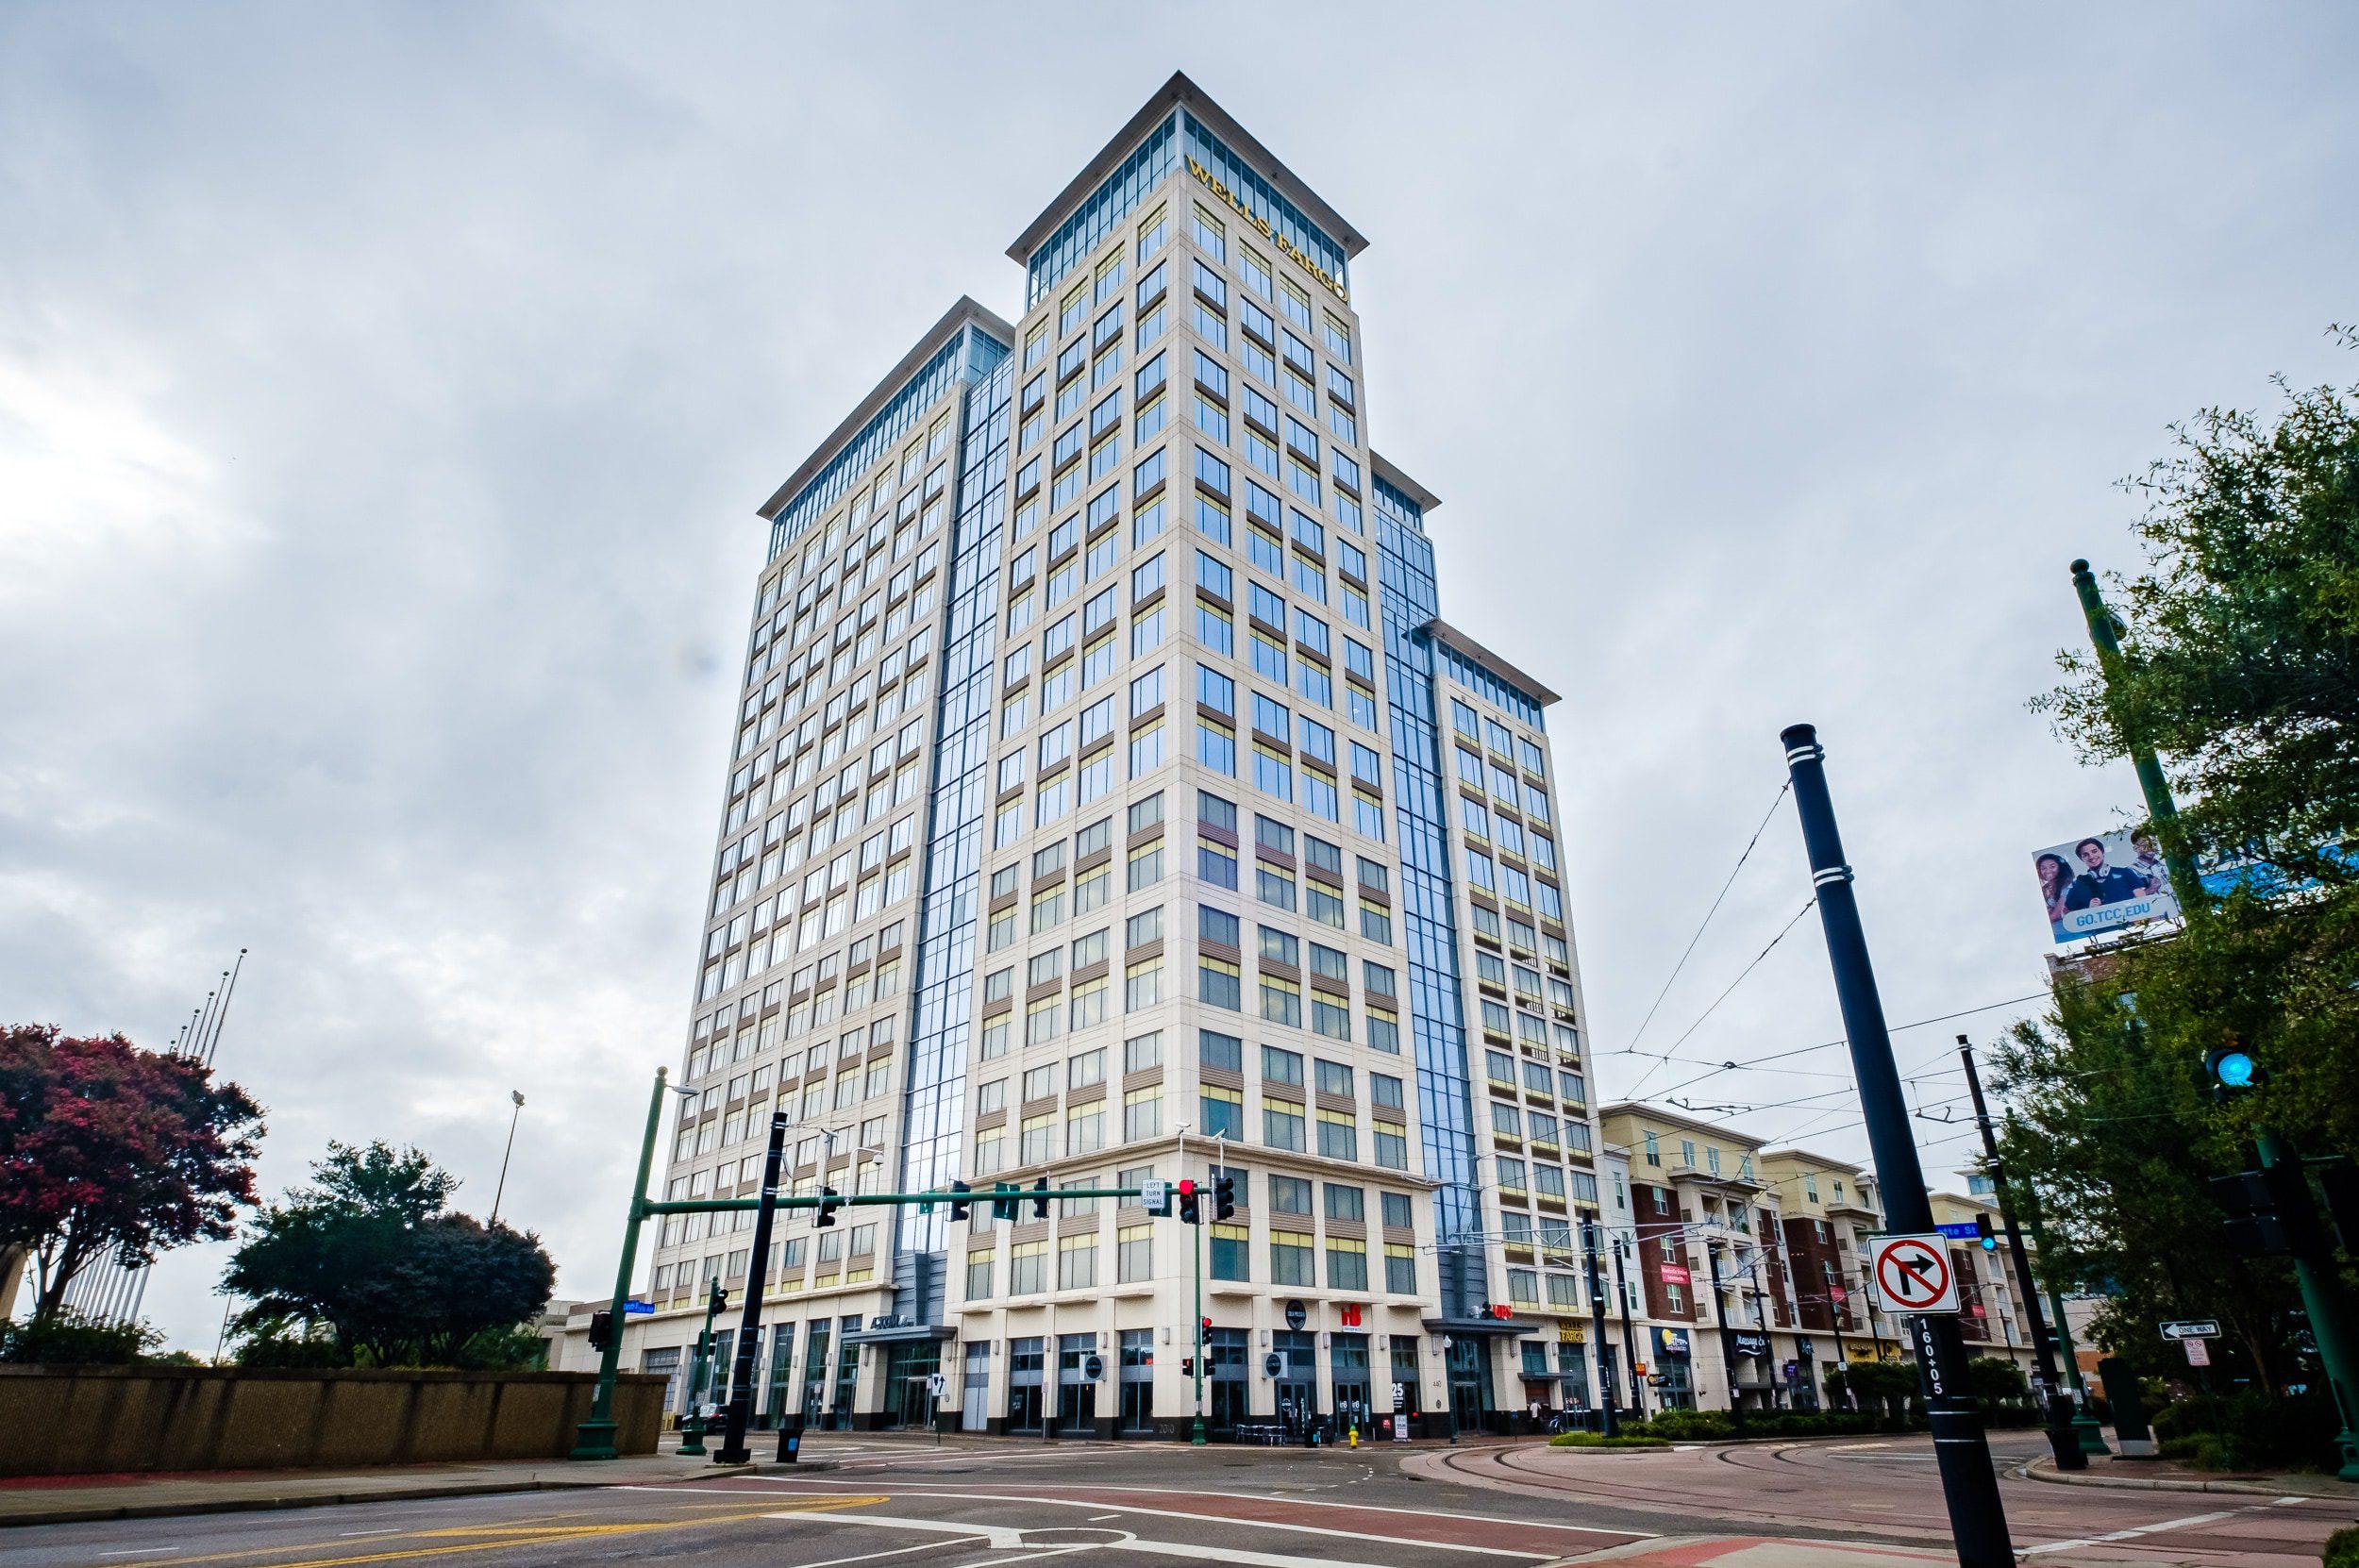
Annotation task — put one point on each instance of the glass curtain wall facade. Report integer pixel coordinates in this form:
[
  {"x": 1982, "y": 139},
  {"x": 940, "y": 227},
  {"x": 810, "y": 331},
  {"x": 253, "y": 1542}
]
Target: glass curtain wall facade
[{"x": 1095, "y": 814}]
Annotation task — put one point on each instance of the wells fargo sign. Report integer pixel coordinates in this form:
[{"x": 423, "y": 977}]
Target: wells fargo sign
[{"x": 1219, "y": 188}]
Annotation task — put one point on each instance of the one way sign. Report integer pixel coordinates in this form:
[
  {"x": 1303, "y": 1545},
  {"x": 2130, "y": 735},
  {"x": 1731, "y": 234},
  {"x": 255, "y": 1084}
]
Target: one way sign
[{"x": 1912, "y": 1274}]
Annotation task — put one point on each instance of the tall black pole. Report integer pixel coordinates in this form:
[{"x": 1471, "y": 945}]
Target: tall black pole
[
  {"x": 1836, "y": 1310},
  {"x": 1978, "y": 1520},
  {"x": 1720, "y": 1295},
  {"x": 733, "y": 1449},
  {"x": 1596, "y": 1317},
  {"x": 1630, "y": 1349},
  {"x": 2053, "y": 1400}
]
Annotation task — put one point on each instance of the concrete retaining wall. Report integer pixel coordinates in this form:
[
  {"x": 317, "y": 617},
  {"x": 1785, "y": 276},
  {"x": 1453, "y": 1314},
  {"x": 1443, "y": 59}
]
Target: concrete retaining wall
[{"x": 80, "y": 1421}]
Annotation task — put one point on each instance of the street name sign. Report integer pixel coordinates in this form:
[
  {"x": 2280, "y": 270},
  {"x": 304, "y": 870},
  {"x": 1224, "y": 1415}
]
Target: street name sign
[
  {"x": 1966, "y": 1230},
  {"x": 1913, "y": 1273},
  {"x": 2195, "y": 1328}
]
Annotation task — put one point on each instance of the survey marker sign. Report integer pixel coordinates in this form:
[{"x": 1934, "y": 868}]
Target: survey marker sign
[{"x": 1912, "y": 1274}]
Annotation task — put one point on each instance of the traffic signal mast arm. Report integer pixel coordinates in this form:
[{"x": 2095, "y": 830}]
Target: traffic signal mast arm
[{"x": 862, "y": 1200}]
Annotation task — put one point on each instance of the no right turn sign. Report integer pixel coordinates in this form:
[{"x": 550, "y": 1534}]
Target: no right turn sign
[{"x": 1912, "y": 1274}]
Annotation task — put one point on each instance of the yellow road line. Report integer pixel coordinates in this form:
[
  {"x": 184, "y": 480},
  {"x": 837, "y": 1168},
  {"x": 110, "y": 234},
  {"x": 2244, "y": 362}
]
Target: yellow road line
[{"x": 514, "y": 1535}]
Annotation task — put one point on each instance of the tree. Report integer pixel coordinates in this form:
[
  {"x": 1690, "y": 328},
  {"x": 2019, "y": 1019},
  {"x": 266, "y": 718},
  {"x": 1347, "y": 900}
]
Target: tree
[
  {"x": 369, "y": 1260},
  {"x": 107, "y": 1150},
  {"x": 2241, "y": 637},
  {"x": 2240, "y": 667}
]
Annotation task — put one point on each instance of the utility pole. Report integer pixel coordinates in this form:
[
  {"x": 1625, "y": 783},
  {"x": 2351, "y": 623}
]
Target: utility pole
[
  {"x": 733, "y": 1449},
  {"x": 1596, "y": 1318},
  {"x": 2061, "y": 1440},
  {"x": 1978, "y": 1516},
  {"x": 1762, "y": 1317}
]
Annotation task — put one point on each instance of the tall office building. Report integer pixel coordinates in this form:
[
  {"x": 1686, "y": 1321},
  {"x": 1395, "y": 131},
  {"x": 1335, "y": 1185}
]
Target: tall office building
[{"x": 1108, "y": 800}]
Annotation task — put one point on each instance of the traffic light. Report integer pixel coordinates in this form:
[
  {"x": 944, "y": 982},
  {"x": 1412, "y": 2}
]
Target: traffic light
[
  {"x": 1984, "y": 1232},
  {"x": 1224, "y": 1196},
  {"x": 2255, "y": 1227},
  {"x": 1191, "y": 1209},
  {"x": 1003, "y": 1208},
  {"x": 601, "y": 1330},
  {"x": 720, "y": 1302},
  {"x": 829, "y": 1201},
  {"x": 1039, "y": 1198},
  {"x": 2231, "y": 1070},
  {"x": 957, "y": 1199},
  {"x": 1187, "y": 1366}
]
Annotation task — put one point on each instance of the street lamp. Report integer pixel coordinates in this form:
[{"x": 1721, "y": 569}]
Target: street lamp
[{"x": 500, "y": 1190}]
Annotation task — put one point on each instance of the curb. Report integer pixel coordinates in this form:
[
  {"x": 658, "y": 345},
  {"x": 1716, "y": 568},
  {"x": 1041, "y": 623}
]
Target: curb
[
  {"x": 2044, "y": 1469},
  {"x": 337, "y": 1499}
]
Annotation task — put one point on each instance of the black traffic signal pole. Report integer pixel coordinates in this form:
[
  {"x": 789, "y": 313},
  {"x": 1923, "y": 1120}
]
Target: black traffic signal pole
[
  {"x": 733, "y": 1449},
  {"x": 2062, "y": 1439},
  {"x": 1978, "y": 1519},
  {"x": 1727, "y": 1336},
  {"x": 1597, "y": 1319},
  {"x": 1629, "y": 1348}
]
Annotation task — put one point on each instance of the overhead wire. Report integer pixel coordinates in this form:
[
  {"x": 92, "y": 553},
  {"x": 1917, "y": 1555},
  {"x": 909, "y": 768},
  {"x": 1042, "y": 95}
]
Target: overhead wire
[
  {"x": 1725, "y": 995},
  {"x": 1690, "y": 949}
]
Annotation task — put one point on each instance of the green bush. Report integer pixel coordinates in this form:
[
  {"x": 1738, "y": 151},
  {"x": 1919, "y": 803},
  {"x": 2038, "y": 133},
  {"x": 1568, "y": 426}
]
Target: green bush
[
  {"x": 2342, "y": 1550},
  {"x": 286, "y": 1346},
  {"x": 69, "y": 1339},
  {"x": 1719, "y": 1425},
  {"x": 1681, "y": 1425},
  {"x": 1592, "y": 1440},
  {"x": 2255, "y": 1429}
]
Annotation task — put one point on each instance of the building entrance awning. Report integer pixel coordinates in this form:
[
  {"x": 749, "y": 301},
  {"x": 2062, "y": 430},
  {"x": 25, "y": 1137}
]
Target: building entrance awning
[
  {"x": 906, "y": 1333},
  {"x": 1475, "y": 1328}
]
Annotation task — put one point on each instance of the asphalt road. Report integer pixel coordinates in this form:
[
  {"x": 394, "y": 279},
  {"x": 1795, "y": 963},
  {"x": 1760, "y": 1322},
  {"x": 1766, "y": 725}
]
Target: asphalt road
[{"x": 971, "y": 1504}]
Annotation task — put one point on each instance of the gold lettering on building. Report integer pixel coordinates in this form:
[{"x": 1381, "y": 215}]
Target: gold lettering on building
[{"x": 1219, "y": 188}]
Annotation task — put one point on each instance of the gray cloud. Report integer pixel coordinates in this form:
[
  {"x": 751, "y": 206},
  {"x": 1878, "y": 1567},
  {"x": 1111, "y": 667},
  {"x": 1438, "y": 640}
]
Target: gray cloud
[{"x": 384, "y": 393}]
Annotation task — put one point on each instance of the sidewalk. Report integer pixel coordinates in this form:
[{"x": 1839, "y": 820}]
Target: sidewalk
[
  {"x": 75, "y": 1499},
  {"x": 2165, "y": 1476}
]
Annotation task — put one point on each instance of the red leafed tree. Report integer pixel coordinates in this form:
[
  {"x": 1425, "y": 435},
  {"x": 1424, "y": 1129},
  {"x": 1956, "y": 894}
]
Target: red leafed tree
[{"x": 109, "y": 1150}]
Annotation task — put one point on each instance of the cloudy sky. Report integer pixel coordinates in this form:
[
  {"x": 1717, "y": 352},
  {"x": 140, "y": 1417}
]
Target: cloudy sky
[{"x": 385, "y": 393}]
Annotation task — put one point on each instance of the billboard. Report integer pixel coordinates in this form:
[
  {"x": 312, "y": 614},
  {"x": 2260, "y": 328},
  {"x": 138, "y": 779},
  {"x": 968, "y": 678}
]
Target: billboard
[{"x": 2104, "y": 882}]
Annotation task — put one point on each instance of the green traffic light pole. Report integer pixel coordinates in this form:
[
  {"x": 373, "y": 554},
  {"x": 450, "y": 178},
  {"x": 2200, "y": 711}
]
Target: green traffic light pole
[
  {"x": 692, "y": 1430},
  {"x": 2321, "y": 1299},
  {"x": 594, "y": 1438},
  {"x": 2106, "y": 632},
  {"x": 2314, "y": 1272}
]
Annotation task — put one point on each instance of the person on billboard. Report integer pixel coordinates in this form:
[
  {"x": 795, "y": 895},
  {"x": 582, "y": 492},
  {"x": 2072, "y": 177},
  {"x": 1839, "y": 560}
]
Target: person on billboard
[
  {"x": 2149, "y": 864},
  {"x": 2102, "y": 884},
  {"x": 2055, "y": 880}
]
